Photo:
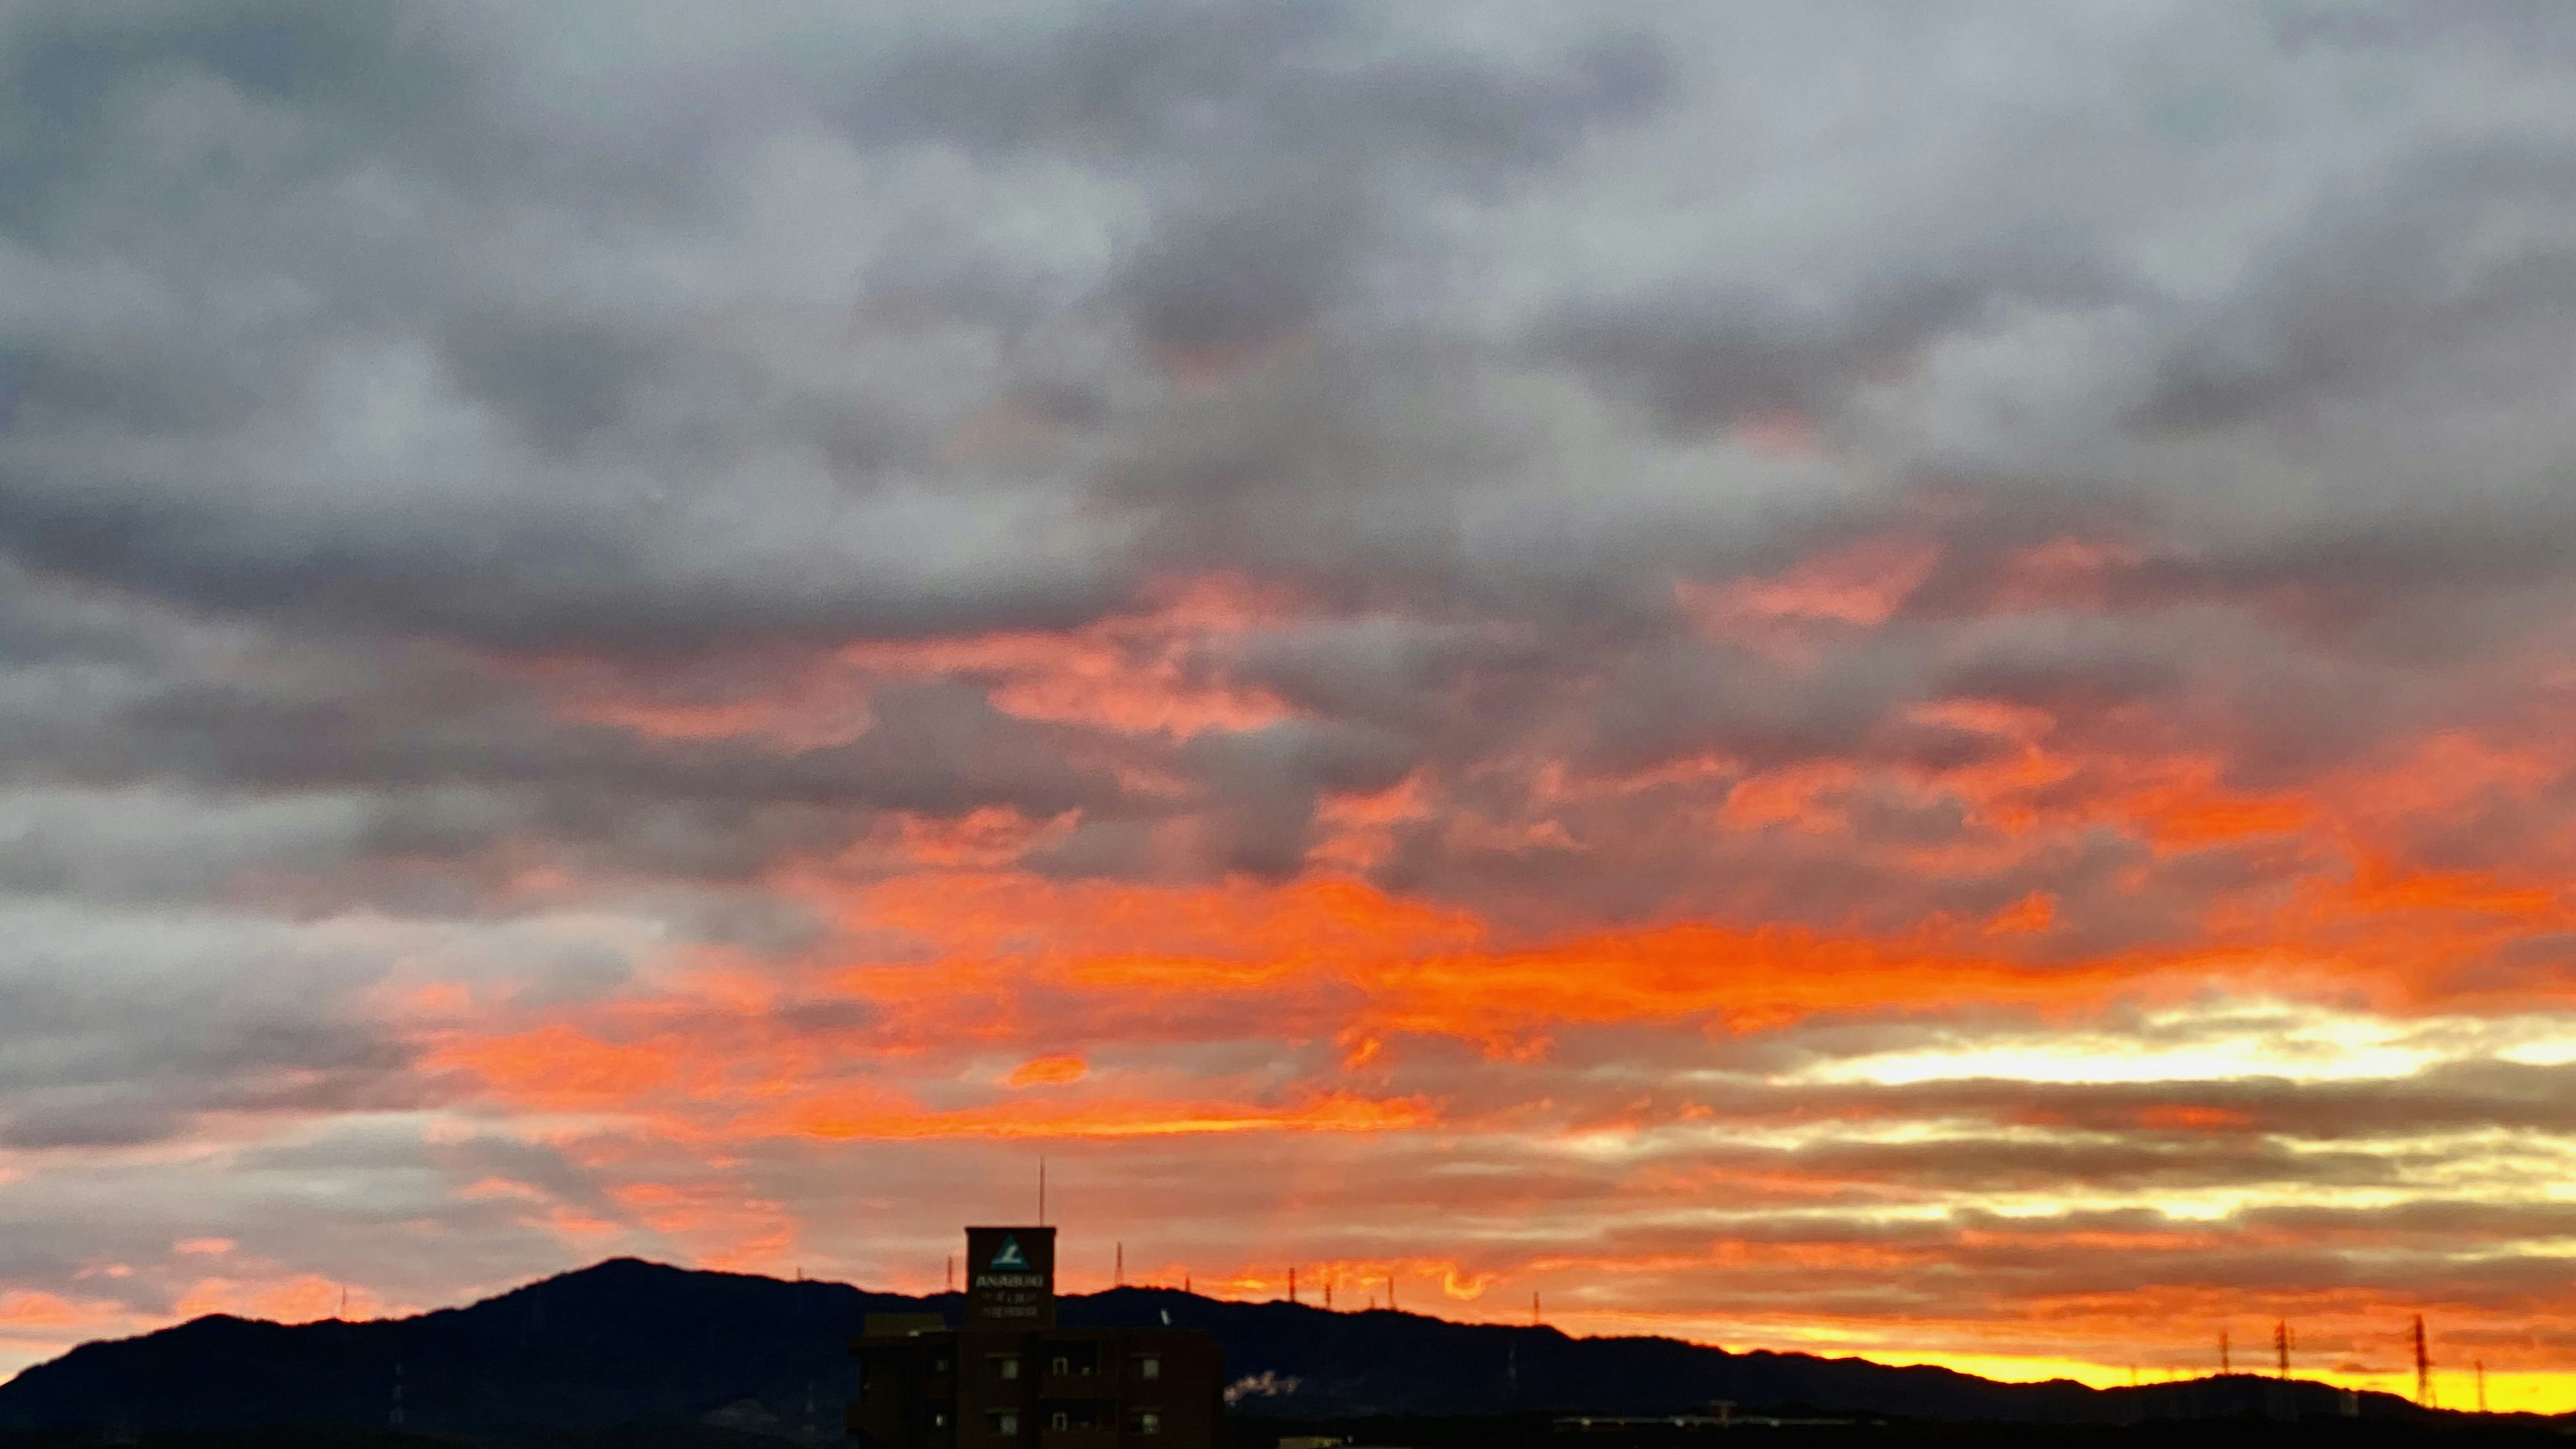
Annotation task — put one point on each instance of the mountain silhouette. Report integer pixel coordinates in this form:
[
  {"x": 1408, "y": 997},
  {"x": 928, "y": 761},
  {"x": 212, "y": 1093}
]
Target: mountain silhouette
[{"x": 629, "y": 1342}]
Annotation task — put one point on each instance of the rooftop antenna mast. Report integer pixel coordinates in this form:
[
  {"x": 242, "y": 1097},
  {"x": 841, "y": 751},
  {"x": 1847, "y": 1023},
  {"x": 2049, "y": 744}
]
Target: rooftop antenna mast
[
  {"x": 1041, "y": 1192},
  {"x": 1122, "y": 1265},
  {"x": 2482, "y": 1384},
  {"x": 2224, "y": 1366},
  {"x": 2423, "y": 1367},
  {"x": 2281, "y": 1343}
]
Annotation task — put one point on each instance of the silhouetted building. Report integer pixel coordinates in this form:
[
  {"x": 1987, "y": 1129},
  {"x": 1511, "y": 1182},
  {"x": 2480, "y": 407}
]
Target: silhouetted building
[{"x": 1010, "y": 1376}]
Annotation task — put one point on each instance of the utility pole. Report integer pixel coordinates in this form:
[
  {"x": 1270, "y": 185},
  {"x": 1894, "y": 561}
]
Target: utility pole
[
  {"x": 2482, "y": 1384},
  {"x": 2281, "y": 1344},
  {"x": 1121, "y": 1276},
  {"x": 952, "y": 1273},
  {"x": 2423, "y": 1367},
  {"x": 1390, "y": 1290},
  {"x": 1535, "y": 1320},
  {"x": 2224, "y": 1366},
  {"x": 1292, "y": 1282}
]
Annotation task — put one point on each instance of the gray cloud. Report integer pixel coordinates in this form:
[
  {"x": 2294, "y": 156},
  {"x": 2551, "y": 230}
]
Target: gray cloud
[{"x": 122, "y": 1029}]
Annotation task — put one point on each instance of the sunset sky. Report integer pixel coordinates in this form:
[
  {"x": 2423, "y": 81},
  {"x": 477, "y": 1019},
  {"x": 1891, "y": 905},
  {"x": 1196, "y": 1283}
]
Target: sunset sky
[{"x": 1878, "y": 678}]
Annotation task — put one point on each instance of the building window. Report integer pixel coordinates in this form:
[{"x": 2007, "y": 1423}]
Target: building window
[
  {"x": 1005, "y": 1366},
  {"x": 1145, "y": 1421},
  {"x": 1005, "y": 1421},
  {"x": 1079, "y": 1360},
  {"x": 1062, "y": 1420},
  {"x": 1149, "y": 1367},
  {"x": 939, "y": 1418}
]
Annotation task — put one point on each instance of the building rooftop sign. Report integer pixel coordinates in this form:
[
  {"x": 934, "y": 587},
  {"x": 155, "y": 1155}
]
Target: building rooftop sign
[{"x": 1010, "y": 1278}]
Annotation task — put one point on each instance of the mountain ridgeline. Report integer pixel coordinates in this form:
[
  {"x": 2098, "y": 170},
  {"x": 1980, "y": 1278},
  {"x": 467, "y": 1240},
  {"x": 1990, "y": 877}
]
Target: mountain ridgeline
[{"x": 630, "y": 1342}]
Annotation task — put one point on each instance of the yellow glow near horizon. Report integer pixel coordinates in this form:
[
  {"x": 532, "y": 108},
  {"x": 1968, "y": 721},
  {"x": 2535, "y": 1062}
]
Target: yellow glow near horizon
[
  {"x": 2454, "y": 1387},
  {"x": 2507, "y": 1392},
  {"x": 2217, "y": 1042}
]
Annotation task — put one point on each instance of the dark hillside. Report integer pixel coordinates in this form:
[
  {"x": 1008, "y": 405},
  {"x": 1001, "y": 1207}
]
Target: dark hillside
[
  {"x": 623, "y": 1341},
  {"x": 635, "y": 1343}
]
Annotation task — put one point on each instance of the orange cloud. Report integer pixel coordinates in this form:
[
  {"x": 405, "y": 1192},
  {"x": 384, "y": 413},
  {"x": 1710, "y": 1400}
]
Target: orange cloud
[
  {"x": 2193, "y": 1119},
  {"x": 556, "y": 1066},
  {"x": 1047, "y": 1071},
  {"x": 20, "y": 1311},
  {"x": 1791, "y": 615},
  {"x": 293, "y": 1298},
  {"x": 863, "y": 1118},
  {"x": 724, "y": 1225},
  {"x": 1161, "y": 670}
]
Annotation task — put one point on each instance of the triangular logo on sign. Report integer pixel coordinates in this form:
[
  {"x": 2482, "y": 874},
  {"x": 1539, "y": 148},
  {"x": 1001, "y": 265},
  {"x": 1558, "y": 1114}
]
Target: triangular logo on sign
[{"x": 1010, "y": 1256}]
